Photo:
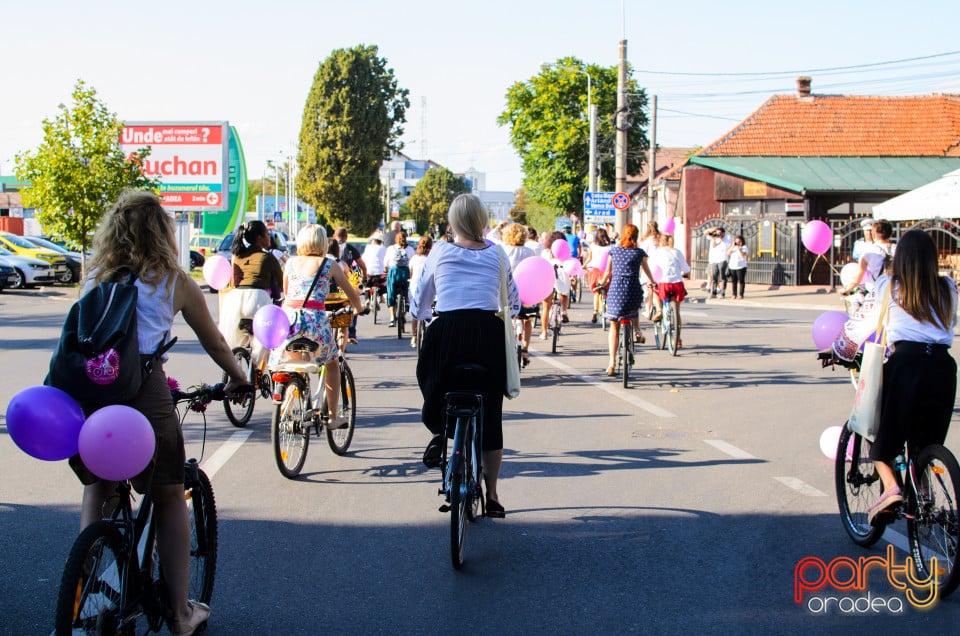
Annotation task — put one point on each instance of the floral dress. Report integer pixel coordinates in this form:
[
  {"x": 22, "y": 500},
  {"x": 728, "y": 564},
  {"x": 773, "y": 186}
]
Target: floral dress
[
  {"x": 308, "y": 323},
  {"x": 626, "y": 295}
]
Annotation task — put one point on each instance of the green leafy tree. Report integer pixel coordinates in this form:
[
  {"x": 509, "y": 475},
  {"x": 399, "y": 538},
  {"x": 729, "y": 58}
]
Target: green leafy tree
[
  {"x": 352, "y": 120},
  {"x": 79, "y": 168},
  {"x": 550, "y": 130},
  {"x": 432, "y": 196},
  {"x": 529, "y": 212}
]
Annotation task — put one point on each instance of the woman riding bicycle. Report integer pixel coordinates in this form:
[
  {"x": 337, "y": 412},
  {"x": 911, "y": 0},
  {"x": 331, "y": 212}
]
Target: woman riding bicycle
[
  {"x": 397, "y": 264},
  {"x": 311, "y": 268},
  {"x": 424, "y": 245},
  {"x": 137, "y": 235},
  {"x": 257, "y": 281},
  {"x": 625, "y": 296},
  {"x": 920, "y": 376},
  {"x": 649, "y": 243},
  {"x": 514, "y": 236},
  {"x": 672, "y": 266},
  {"x": 464, "y": 277},
  {"x": 561, "y": 284},
  {"x": 597, "y": 254}
]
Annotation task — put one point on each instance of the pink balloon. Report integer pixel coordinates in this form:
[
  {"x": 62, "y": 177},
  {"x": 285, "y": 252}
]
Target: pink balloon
[
  {"x": 217, "y": 271},
  {"x": 816, "y": 236},
  {"x": 44, "y": 422},
  {"x": 116, "y": 442},
  {"x": 561, "y": 250},
  {"x": 271, "y": 326},
  {"x": 827, "y": 327},
  {"x": 657, "y": 272},
  {"x": 670, "y": 226},
  {"x": 534, "y": 277},
  {"x": 572, "y": 267},
  {"x": 604, "y": 259}
]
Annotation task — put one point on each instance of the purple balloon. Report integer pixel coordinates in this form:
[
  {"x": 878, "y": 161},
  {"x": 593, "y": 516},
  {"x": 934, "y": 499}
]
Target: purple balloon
[
  {"x": 827, "y": 327},
  {"x": 534, "y": 278},
  {"x": 816, "y": 236},
  {"x": 117, "y": 442},
  {"x": 44, "y": 422},
  {"x": 271, "y": 326}
]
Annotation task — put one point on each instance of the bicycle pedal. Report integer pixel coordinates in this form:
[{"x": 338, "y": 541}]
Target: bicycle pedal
[
  {"x": 308, "y": 415},
  {"x": 444, "y": 508}
]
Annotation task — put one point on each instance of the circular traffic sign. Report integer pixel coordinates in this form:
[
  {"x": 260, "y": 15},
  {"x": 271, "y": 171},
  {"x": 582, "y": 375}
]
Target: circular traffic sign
[{"x": 621, "y": 201}]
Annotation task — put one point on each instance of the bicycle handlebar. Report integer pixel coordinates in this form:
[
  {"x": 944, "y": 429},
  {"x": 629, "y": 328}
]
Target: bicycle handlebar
[
  {"x": 829, "y": 359},
  {"x": 214, "y": 392}
]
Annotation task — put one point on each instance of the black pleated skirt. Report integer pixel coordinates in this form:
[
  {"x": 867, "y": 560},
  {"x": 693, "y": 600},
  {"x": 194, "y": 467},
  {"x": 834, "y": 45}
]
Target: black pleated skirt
[{"x": 464, "y": 337}]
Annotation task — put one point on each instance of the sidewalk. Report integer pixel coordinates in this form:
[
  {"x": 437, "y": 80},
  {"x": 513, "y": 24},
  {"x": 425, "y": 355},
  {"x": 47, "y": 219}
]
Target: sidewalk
[{"x": 812, "y": 297}]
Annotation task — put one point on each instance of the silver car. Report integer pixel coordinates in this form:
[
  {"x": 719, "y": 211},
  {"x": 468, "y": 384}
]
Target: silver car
[{"x": 29, "y": 271}]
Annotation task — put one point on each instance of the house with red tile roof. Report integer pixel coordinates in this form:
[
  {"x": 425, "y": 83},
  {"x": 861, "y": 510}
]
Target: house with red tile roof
[{"x": 807, "y": 156}]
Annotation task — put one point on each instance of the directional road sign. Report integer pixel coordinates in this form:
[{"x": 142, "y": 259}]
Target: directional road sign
[{"x": 598, "y": 208}]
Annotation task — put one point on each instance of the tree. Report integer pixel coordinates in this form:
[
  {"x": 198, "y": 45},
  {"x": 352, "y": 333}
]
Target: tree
[
  {"x": 550, "y": 130},
  {"x": 79, "y": 169},
  {"x": 433, "y": 194},
  {"x": 536, "y": 215},
  {"x": 352, "y": 120}
]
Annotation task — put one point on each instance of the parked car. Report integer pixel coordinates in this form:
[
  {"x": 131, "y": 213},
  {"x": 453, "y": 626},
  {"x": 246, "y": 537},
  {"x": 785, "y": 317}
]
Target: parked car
[
  {"x": 28, "y": 271},
  {"x": 8, "y": 276},
  {"x": 73, "y": 259},
  {"x": 196, "y": 259},
  {"x": 205, "y": 243},
  {"x": 22, "y": 247}
]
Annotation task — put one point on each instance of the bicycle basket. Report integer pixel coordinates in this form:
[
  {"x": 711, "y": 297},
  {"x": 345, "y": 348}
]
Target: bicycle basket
[{"x": 336, "y": 301}]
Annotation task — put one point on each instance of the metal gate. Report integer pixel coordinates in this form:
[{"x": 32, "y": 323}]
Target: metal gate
[{"x": 773, "y": 247}]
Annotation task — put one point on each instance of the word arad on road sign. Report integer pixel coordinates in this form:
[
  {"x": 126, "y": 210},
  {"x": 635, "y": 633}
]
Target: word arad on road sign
[{"x": 621, "y": 201}]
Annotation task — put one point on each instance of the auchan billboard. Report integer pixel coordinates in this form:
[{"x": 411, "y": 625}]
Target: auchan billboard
[{"x": 189, "y": 157}]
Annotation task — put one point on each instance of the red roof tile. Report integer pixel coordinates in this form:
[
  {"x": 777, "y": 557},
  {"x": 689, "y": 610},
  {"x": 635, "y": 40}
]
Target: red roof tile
[{"x": 844, "y": 126}]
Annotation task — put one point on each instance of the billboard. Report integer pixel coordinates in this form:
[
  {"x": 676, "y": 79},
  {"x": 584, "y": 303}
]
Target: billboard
[{"x": 190, "y": 158}]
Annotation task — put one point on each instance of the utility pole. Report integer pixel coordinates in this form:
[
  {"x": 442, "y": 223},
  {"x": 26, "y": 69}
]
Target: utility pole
[
  {"x": 622, "y": 124},
  {"x": 592, "y": 114},
  {"x": 652, "y": 168}
]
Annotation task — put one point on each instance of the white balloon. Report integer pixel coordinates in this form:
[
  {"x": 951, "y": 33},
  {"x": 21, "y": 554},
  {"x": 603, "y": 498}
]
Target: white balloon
[{"x": 848, "y": 274}]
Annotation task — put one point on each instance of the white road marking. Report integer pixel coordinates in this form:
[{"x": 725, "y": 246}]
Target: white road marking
[
  {"x": 729, "y": 449},
  {"x": 616, "y": 392},
  {"x": 224, "y": 453},
  {"x": 896, "y": 539},
  {"x": 800, "y": 486}
]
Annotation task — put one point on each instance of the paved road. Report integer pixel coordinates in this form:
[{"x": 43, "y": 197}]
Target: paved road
[{"x": 680, "y": 505}]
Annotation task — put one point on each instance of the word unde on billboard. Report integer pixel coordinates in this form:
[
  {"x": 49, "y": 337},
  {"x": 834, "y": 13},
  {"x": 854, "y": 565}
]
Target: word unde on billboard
[
  {"x": 188, "y": 157},
  {"x": 598, "y": 208}
]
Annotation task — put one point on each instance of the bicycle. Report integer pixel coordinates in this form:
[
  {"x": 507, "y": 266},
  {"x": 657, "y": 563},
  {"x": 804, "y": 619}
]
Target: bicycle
[
  {"x": 239, "y": 409},
  {"x": 556, "y": 314},
  {"x": 374, "y": 288},
  {"x": 401, "y": 314},
  {"x": 667, "y": 329},
  {"x": 625, "y": 349},
  {"x": 422, "y": 326},
  {"x": 929, "y": 480},
  {"x": 295, "y": 417},
  {"x": 113, "y": 579},
  {"x": 462, "y": 486}
]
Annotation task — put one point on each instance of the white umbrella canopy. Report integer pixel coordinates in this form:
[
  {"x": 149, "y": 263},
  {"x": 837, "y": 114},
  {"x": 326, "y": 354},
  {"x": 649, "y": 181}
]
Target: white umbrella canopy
[{"x": 939, "y": 199}]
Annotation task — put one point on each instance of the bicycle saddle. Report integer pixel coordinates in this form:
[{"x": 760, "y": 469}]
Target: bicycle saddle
[{"x": 302, "y": 345}]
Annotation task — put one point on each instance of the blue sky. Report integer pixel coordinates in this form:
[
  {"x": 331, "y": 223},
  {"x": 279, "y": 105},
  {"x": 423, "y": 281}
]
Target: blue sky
[{"x": 252, "y": 63}]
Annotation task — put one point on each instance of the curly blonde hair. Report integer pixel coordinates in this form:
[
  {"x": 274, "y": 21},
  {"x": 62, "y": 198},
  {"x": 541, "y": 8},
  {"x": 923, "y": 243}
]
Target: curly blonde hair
[
  {"x": 138, "y": 235},
  {"x": 514, "y": 234}
]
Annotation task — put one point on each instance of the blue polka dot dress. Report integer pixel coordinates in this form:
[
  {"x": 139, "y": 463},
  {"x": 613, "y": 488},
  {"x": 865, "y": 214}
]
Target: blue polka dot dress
[{"x": 626, "y": 294}]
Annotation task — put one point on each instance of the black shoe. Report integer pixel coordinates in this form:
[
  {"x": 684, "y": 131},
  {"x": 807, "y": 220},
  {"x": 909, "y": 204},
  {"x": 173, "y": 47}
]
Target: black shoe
[
  {"x": 433, "y": 452},
  {"x": 494, "y": 510}
]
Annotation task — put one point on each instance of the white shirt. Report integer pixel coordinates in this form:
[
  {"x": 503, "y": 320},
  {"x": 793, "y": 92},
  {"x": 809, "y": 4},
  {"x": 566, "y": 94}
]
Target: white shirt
[
  {"x": 671, "y": 262},
  {"x": 393, "y": 253},
  {"x": 874, "y": 256},
  {"x": 718, "y": 249},
  {"x": 516, "y": 254},
  {"x": 737, "y": 257},
  {"x": 899, "y": 324},
  {"x": 562, "y": 282},
  {"x": 463, "y": 278},
  {"x": 373, "y": 259},
  {"x": 416, "y": 268}
]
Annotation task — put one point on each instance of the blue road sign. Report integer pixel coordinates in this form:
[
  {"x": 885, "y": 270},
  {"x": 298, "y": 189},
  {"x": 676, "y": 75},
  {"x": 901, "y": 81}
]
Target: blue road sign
[{"x": 598, "y": 207}]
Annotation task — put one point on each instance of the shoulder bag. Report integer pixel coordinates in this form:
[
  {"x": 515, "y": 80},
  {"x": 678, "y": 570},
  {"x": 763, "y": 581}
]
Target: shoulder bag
[
  {"x": 512, "y": 386},
  {"x": 865, "y": 417}
]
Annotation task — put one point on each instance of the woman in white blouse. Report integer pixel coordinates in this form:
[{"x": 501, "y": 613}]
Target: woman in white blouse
[
  {"x": 920, "y": 376},
  {"x": 464, "y": 277}
]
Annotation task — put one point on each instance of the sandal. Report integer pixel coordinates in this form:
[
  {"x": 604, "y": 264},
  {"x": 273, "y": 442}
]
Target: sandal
[
  {"x": 494, "y": 510},
  {"x": 525, "y": 358},
  {"x": 889, "y": 499},
  {"x": 593, "y": 318},
  {"x": 611, "y": 372},
  {"x": 199, "y": 615}
]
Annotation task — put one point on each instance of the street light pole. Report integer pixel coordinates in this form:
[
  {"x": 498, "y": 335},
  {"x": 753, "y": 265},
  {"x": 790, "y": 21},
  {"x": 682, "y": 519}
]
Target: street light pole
[{"x": 591, "y": 115}]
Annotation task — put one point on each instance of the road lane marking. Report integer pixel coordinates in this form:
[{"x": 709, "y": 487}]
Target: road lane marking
[
  {"x": 652, "y": 409},
  {"x": 729, "y": 449},
  {"x": 800, "y": 486},
  {"x": 224, "y": 453}
]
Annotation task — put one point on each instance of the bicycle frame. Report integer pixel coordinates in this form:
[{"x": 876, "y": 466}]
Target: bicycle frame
[{"x": 464, "y": 499}]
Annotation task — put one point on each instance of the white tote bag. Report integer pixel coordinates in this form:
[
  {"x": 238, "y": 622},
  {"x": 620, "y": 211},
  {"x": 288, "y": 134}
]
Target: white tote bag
[
  {"x": 512, "y": 387},
  {"x": 865, "y": 416}
]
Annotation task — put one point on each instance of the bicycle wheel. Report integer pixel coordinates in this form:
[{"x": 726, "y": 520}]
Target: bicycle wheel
[
  {"x": 858, "y": 487},
  {"x": 240, "y": 409},
  {"x": 626, "y": 346},
  {"x": 935, "y": 532},
  {"x": 288, "y": 432},
  {"x": 376, "y": 303},
  {"x": 475, "y": 480},
  {"x": 459, "y": 487},
  {"x": 92, "y": 587},
  {"x": 673, "y": 326},
  {"x": 339, "y": 439},
  {"x": 659, "y": 332},
  {"x": 401, "y": 312},
  {"x": 555, "y": 326},
  {"x": 202, "y": 509}
]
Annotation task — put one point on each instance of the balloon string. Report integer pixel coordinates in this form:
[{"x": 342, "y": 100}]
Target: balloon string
[{"x": 814, "y": 266}]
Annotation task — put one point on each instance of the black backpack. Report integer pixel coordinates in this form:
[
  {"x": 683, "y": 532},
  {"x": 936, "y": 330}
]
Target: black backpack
[{"x": 97, "y": 360}]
